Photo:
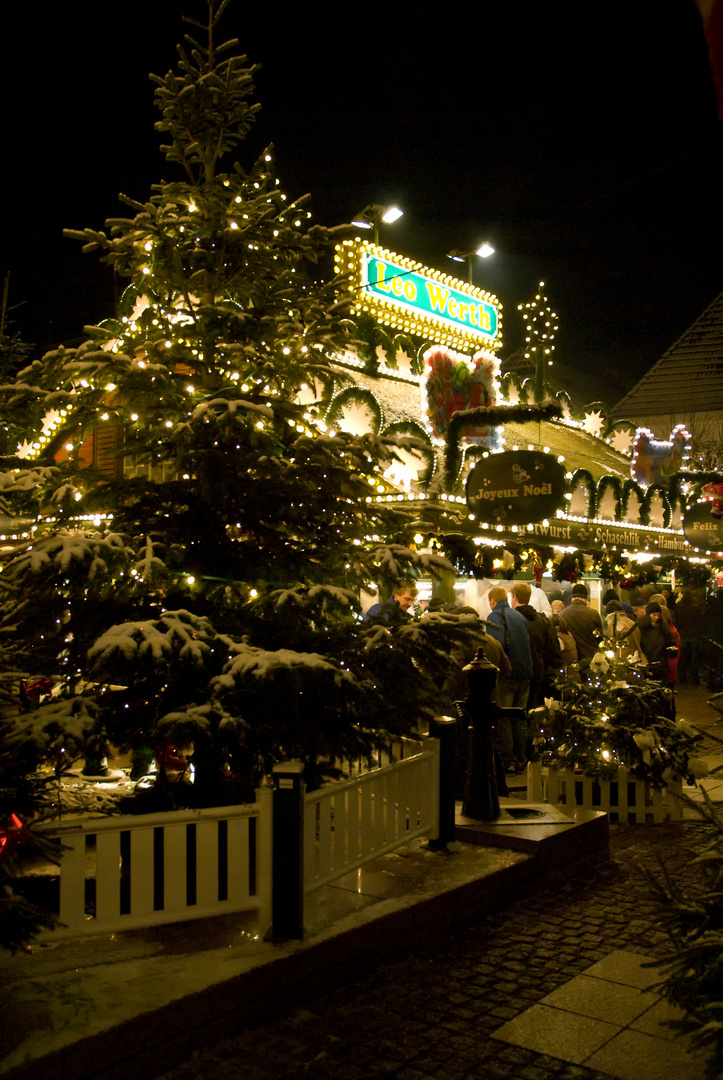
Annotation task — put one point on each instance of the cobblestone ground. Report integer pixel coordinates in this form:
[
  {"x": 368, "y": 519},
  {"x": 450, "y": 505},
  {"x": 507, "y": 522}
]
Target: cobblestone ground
[{"x": 431, "y": 1015}]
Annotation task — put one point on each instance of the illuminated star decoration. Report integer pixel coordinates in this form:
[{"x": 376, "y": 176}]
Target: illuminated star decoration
[
  {"x": 622, "y": 441},
  {"x": 50, "y": 420},
  {"x": 593, "y": 422}
]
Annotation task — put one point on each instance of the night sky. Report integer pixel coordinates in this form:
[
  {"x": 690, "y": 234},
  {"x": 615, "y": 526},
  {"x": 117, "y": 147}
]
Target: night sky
[{"x": 581, "y": 140}]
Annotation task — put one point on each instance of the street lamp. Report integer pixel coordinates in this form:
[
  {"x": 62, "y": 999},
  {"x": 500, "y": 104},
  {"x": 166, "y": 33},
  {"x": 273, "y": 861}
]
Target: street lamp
[
  {"x": 483, "y": 251},
  {"x": 373, "y": 214}
]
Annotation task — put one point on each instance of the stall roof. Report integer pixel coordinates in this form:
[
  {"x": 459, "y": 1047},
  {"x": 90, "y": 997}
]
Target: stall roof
[{"x": 400, "y": 399}]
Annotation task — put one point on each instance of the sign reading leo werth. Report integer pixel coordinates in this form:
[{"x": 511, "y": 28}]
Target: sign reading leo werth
[{"x": 417, "y": 300}]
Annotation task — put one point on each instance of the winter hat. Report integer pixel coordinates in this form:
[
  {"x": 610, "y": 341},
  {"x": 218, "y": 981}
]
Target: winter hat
[
  {"x": 658, "y": 598},
  {"x": 580, "y": 590},
  {"x": 614, "y": 605},
  {"x": 652, "y": 607},
  {"x": 627, "y": 608}
]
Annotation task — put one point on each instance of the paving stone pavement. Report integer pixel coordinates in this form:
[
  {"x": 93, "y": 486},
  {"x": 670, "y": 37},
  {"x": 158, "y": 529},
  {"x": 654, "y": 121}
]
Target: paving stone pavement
[{"x": 431, "y": 1015}]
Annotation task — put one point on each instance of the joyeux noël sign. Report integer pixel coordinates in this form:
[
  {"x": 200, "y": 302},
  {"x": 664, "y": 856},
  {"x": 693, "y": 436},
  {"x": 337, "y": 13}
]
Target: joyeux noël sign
[
  {"x": 407, "y": 286},
  {"x": 516, "y": 488}
]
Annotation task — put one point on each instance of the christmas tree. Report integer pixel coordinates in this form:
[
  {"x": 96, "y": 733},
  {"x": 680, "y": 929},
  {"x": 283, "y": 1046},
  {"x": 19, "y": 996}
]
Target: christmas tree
[{"x": 191, "y": 536}]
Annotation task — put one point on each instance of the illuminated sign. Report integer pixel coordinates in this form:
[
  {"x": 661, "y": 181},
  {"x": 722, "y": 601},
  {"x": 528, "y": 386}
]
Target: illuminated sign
[
  {"x": 417, "y": 300},
  {"x": 516, "y": 487},
  {"x": 703, "y": 526}
]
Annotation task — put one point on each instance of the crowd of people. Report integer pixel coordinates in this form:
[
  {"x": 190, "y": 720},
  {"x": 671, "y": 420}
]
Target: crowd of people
[{"x": 531, "y": 638}]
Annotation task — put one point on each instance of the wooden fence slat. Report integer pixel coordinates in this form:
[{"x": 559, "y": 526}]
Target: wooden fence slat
[
  {"x": 393, "y": 815},
  {"x": 605, "y": 786},
  {"x": 238, "y": 855},
  {"x": 675, "y": 799},
  {"x": 174, "y": 867},
  {"x": 365, "y": 816},
  {"x": 311, "y": 840},
  {"x": 325, "y": 852},
  {"x": 72, "y": 882},
  {"x": 341, "y": 828},
  {"x": 640, "y": 807},
  {"x": 107, "y": 876},
  {"x": 622, "y": 794},
  {"x": 141, "y": 864},
  {"x": 206, "y": 864},
  {"x": 554, "y": 794},
  {"x": 587, "y": 791},
  {"x": 535, "y": 790}
]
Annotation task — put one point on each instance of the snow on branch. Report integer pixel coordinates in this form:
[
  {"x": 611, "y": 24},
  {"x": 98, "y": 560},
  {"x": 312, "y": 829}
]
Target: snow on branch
[
  {"x": 250, "y": 662},
  {"x": 179, "y": 634}
]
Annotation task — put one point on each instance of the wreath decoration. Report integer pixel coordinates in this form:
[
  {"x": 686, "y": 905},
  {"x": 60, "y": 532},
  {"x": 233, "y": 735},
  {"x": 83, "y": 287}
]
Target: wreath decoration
[
  {"x": 355, "y": 395},
  {"x": 410, "y": 428},
  {"x": 630, "y": 487},
  {"x": 645, "y": 509},
  {"x": 609, "y": 484},
  {"x": 581, "y": 478}
]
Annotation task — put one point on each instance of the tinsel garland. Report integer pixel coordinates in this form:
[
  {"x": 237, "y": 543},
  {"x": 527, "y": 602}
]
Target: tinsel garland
[
  {"x": 584, "y": 479},
  {"x": 411, "y": 428},
  {"x": 645, "y": 510},
  {"x": 355, "y": 395},
  {"x": 630, "y": 487},
  {"x": 488, "y": 416},
  {"x": 604, "y": 485}
]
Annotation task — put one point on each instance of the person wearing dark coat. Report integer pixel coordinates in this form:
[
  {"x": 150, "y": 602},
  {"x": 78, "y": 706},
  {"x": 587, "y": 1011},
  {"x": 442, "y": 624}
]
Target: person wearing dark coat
[
  {"x": 583, "y": 623},
  {"x": 396, "y": 610},
  {"x": 656, "y": 640},
  {"x": 688, "y": 614},
  {"x": 546, "y": 654},
  {"x": 510, "y": 629}
]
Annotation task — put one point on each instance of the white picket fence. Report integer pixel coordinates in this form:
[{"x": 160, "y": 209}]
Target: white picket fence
[
  {"x": 350, "y": 823},
  {"x": 625, "y": 797},
  {"x": 124, "y": 873}
]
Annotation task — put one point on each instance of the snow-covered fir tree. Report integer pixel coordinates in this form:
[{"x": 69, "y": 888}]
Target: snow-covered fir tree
[{"x": 195, "y": 536}]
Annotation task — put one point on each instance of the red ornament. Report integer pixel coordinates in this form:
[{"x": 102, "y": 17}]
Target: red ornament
[
  {"x": 715, "y": 491},
  {"x": 12, "y": 834}
]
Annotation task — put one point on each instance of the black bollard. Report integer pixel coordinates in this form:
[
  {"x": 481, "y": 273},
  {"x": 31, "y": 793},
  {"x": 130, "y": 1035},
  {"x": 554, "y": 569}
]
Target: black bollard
[
  {"x": 444, "y": 729},
  {"x": 287, "y": 894},
  {"x": 481, "y": 800}
]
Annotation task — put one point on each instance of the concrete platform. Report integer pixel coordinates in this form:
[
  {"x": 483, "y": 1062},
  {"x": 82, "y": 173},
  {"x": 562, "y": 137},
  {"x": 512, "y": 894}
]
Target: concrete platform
[
  {"x": 145, "y": 1000},
  {"x": 551, "y": 834}
]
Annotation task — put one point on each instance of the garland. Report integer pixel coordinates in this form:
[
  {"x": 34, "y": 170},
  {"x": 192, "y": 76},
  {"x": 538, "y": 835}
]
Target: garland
[
  {"x": 370, "y": 336},
  {"x": 488, "y": 416},
  {"x": 355, "y": 395},
  {"x": 645, "y": 509},
  {"x": 630, "y": 487},
  {"x": 582, "y": 478},
  {"x": 414, "y": 430},
  {"x": 604, "y": 485}
]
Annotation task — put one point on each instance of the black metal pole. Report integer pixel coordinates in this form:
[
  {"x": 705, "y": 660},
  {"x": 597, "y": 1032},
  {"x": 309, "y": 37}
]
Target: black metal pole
[
  {"x": 481, "y": 800},
  {"x": 287, "y": 892},
  {"x": 444, "y": 728}
]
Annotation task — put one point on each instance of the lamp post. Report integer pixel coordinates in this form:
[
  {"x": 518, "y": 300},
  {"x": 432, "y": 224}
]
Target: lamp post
[
  {"x": 373, "y": 215},
  {"x": 483, "y": 251}
]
